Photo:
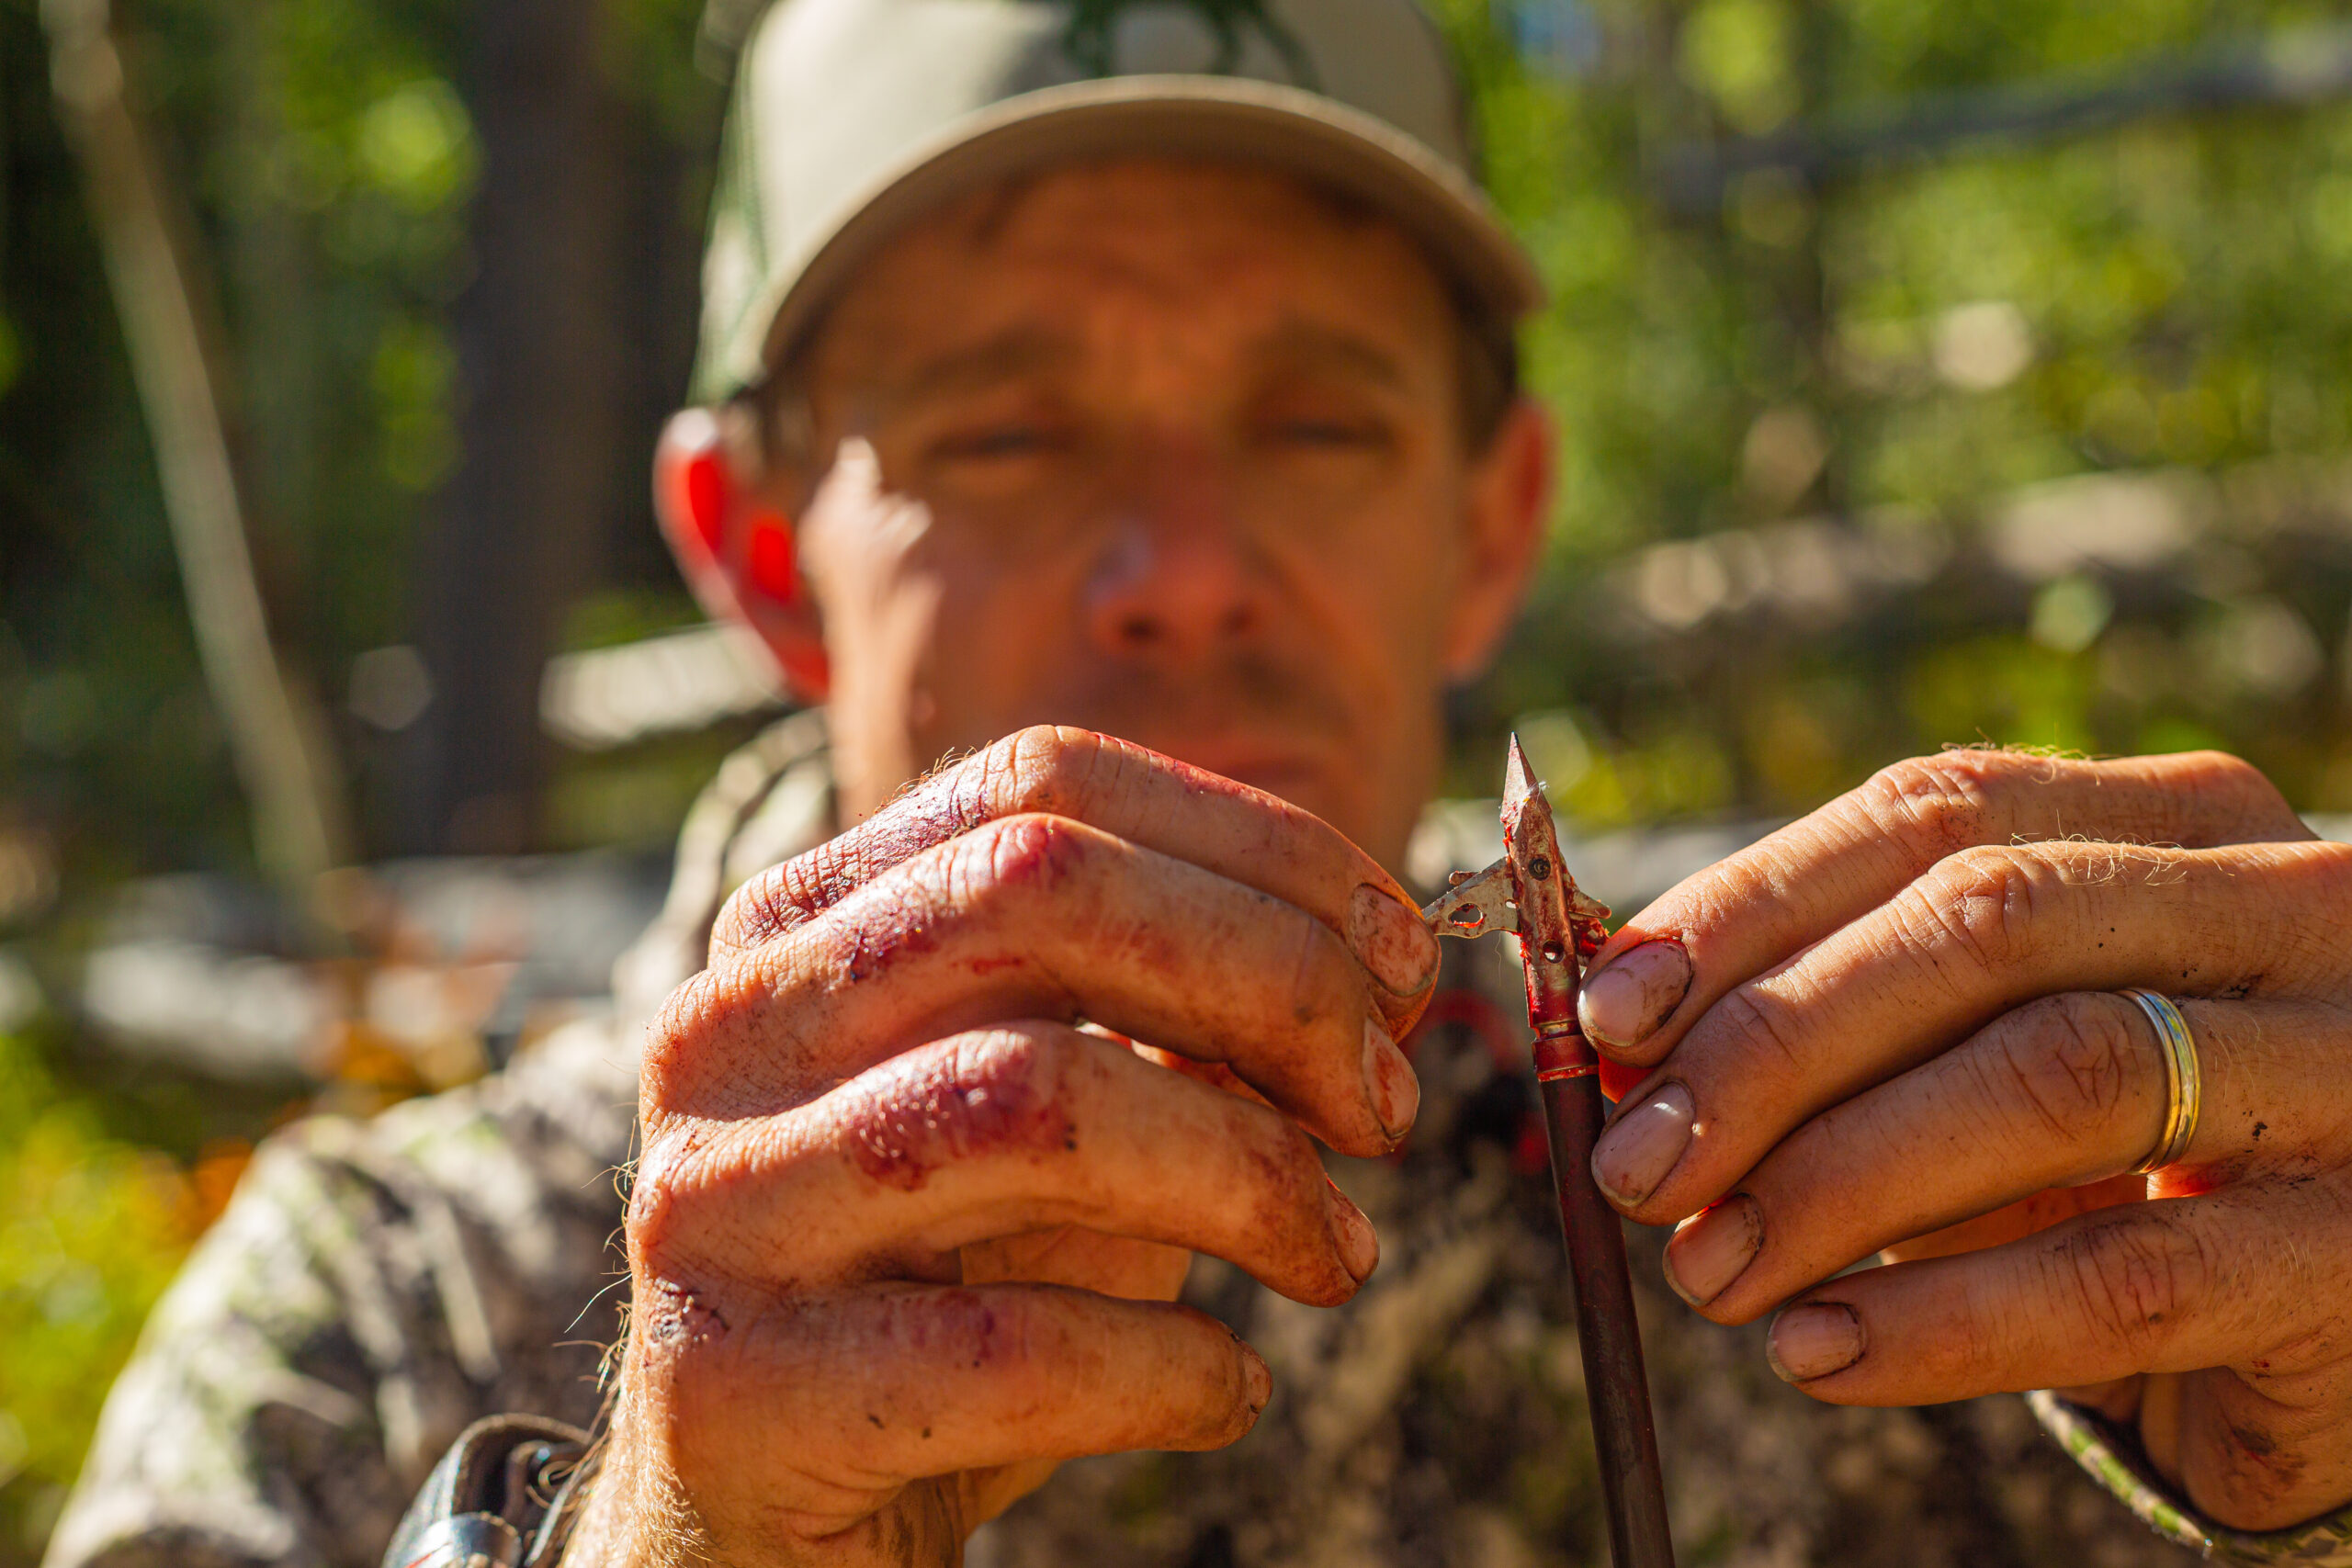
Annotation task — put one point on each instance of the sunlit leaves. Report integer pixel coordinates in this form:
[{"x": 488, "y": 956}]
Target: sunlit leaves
[
  {"x": 2172, "y": 296},
  {"x": 413, "y": 373},
  {"x": 90, "y": 1231},
  {"x": 416, "y": 143},
  {"x": 1742, "y": 54}
]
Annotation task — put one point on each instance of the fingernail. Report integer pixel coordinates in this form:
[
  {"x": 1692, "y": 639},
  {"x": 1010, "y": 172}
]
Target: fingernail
[
  {"x": 1813, "y": 1340},
  {"x": 1391, "y": 942},
  {"x": 1352, "y": 1234},
  {"x": 1389, "y": 1084},
  {"x": 1624, "y": 1002},
  {"x": 1257, "y": 1383},
  {"x": 1643, "y": 1145},
  {"x": 1711, "y": 1249}
]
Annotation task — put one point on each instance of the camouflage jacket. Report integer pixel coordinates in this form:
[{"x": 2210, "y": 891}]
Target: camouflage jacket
[{"x": 373, "y": 1288}]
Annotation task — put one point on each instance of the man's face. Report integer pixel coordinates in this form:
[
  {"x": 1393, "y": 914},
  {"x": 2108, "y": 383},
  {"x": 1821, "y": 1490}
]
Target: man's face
[{"x": 1169, "y": 451}]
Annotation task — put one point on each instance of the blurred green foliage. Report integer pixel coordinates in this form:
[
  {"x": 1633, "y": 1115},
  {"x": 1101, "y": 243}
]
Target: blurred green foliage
[
  {"x": 2171, "y": 294},
  {"x": 1903, "y": 350},
  {"x": 325, "y": 155},
  {"x": 91, "y": 1229}
]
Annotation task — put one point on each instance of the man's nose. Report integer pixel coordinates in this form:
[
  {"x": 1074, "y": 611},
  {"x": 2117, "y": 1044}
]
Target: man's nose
[{"x": 1179, "y": 574}]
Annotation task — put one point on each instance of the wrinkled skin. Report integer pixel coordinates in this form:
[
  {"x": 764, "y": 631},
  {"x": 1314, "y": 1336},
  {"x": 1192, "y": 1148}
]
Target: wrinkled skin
[
  {"x": 903, "y": 1233},
  {"x": 1170, "y": 451},
  {"x": 1894, "y": 1026}
]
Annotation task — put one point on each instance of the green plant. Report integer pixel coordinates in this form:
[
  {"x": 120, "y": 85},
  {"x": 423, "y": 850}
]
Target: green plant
[{"x": 91, "y": 1229}]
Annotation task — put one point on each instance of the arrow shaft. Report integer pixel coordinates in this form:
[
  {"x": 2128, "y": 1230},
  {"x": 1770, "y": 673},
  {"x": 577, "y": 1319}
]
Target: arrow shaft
[{"x": 1617, "y": 1390}]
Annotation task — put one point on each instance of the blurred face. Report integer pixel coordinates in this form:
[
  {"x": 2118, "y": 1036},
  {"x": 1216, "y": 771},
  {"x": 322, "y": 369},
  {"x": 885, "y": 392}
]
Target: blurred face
[{"x": 1167, "y": 451}]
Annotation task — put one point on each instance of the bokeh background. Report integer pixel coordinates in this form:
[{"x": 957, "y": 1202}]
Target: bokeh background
[{"x": 1925, "y": 372}]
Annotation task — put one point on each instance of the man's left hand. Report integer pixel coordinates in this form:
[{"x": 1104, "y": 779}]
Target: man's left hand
[{"x": 1894, "y": 1027}]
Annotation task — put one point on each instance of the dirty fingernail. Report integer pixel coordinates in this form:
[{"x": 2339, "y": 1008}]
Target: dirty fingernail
[
  {"x": 1352, "y": 1234},
  {"x": 1391, "y": 940},
  {"x": 1644, "y": 1144},
  {"x": 1257, "y": 1381},
  {"x": 1624, "y": 1002},
  {"x": 1813, "y": 1340},
  {"x": 1389, "y": 1085},
  {"x": 1713, "y": 1249}
]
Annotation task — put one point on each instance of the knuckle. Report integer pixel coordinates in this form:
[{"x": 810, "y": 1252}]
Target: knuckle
[
  {"x": 677, "y": 1326},
  {"x": 1001, "y": 1092},
  {"x": 2129, "y": 1278},
  {"x": 2309, "y": 911},
  {"x": 1944, "y": 803},
  {"x": 2070, "y": 1058},
  {"x": 697, "y": 1016},
  {"x": 778, "y": 899},
  {"x": 1031, "y": 852},
  {"x": 2218, "y": 771},
  {"x": 998, "y": 1333},
  {"x": 1325, "y": 984},
  {"x": 1752, "y": 1018},
  {"x": 1981, "y": 902},
  {"x": 663, "y": 1184},
  {"x": 2226, "y": 799},
  {"x": 1042, "y": 768},
  {"x": 1001, "y": 1073},
  {"x": 737, "y": 1036},
  {"x": 1051, "y": 768}
]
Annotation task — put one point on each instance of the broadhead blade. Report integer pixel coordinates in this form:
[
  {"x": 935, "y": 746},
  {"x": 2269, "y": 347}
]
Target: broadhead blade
[
  {"x": 1518, "y": 780},
  {"x": 1476, "y": 906},
  {"x": 1527, "y": 816}
]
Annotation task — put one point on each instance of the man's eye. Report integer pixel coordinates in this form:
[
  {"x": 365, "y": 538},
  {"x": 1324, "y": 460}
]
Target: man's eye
[
  {"x": 998, "y": 442},
  {"x": 1330, "y": 434}
]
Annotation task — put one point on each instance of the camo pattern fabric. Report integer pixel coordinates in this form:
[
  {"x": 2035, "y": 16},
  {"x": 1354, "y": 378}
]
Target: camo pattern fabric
[
  {"x": 2115, "y": 1458},
  {"x": 374, "y": 1288}
]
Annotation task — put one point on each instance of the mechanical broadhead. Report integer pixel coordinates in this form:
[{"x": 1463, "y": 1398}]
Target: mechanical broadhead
[{"x": 1499, "y": 899}]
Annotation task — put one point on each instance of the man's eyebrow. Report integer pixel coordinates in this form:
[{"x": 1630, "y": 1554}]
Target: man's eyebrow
[
  {"x": 1309, "y": 345},
  {"x": 1006, "y": 356}
]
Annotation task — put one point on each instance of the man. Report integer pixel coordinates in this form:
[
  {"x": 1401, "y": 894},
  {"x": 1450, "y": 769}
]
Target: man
[{"x": 1147, "y": 373}]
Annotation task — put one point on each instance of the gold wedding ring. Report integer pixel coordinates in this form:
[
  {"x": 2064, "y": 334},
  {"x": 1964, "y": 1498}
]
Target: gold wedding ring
[{"x": 2182, "y": 1082}]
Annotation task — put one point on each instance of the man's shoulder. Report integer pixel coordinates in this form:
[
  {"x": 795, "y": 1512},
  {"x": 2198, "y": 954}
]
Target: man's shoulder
[
  {"x": 375, "y": 1286},
  {"x": 372, "y": 1289},
  {"x": 502, "y": 1156},
  {"x": 559, "y": 1119}
]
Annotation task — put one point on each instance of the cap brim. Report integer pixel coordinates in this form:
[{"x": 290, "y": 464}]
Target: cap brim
[{"x": 1221, "y": 117}]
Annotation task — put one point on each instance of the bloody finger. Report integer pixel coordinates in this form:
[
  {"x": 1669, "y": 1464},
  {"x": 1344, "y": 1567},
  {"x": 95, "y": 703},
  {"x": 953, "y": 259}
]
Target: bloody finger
[
  {"x": 995, "y": 1134},
  {"x": 1041, "y": 916},
  {"x": 1129, "y": 793},
  {"x": 885, "y": 1385}
]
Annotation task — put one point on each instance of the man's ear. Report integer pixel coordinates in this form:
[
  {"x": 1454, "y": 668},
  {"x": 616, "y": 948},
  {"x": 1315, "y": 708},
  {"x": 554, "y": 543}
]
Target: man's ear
[
  {"x": 734, "y": 544},
  {"x": 1510, "y": 501}
]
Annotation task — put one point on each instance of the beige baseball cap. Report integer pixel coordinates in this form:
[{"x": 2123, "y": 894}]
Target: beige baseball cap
[{"x": 851, "y": 118}]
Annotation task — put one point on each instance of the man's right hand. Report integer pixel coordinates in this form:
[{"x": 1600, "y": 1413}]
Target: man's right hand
[{"x": 908, "y": 1220}]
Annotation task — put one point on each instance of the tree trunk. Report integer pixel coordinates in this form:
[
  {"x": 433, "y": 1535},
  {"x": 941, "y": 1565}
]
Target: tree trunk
[
  {"x": 278, "y": 740},
  {"x": 541, "y": 389}
]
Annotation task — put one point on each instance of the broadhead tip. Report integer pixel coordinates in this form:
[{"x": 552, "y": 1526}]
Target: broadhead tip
[{"x": 1519, "y": 779}]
